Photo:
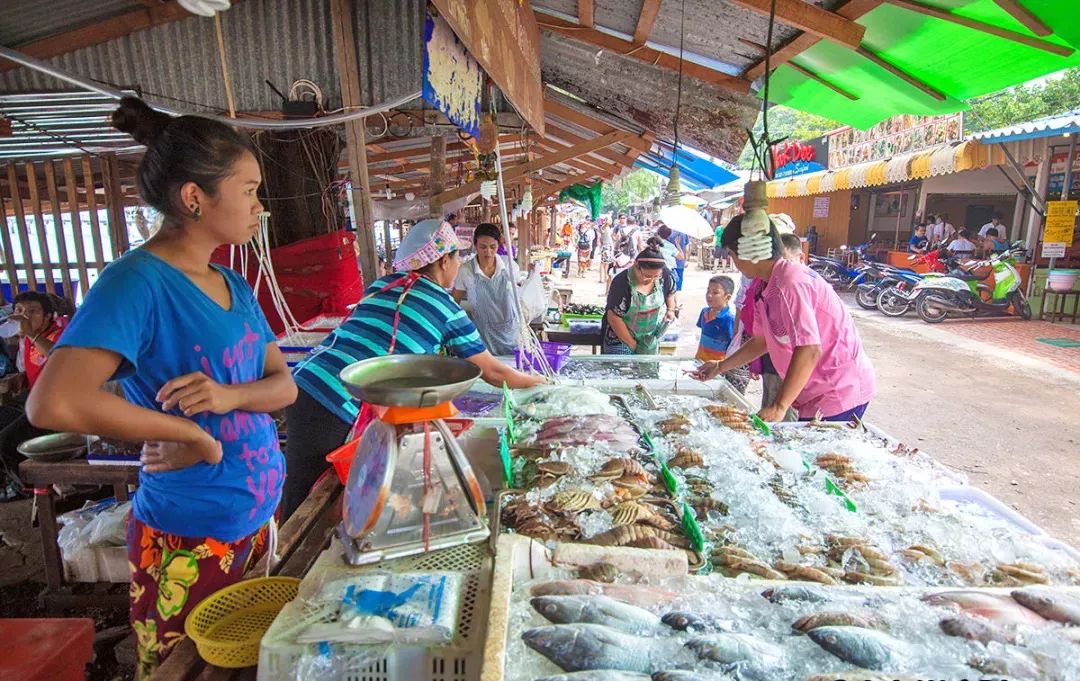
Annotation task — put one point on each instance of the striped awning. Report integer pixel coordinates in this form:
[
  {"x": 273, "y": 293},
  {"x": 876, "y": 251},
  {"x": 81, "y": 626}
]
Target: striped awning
[{"x": 942, "y": 160}]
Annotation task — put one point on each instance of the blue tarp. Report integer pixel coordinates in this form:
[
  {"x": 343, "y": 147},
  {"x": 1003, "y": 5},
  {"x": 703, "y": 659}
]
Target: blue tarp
[{"x": 697, "y": 173}]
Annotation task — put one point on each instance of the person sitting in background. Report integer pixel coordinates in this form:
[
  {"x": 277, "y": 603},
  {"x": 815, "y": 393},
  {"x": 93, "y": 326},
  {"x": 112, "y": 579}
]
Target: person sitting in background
[
  {"x": 39, "y": 328},
  {"x": 716, "y": 320},
  {"x": 962, "y": 246},
  {"x": 995, "y": 224},
  {"x": 995, "y": 242},
  {"x": 941, "y": 231},
  {"x": 918, "y": 242}
]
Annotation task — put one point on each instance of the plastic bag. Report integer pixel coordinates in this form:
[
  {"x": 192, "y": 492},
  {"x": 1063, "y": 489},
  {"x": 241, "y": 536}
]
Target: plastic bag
[
  {"x": 109, "y": 527},
  {"x": 533, "y": 301},
  {"x": 409, "y": 608}
]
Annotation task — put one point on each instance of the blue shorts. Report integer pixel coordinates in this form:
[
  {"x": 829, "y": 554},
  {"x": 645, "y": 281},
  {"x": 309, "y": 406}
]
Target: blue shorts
[{"x": 848, "y": 415}]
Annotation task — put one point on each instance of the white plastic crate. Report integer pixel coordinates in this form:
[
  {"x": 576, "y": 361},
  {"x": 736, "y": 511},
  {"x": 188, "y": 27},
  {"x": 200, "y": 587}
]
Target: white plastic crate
[{"x": 457, "y": 662}]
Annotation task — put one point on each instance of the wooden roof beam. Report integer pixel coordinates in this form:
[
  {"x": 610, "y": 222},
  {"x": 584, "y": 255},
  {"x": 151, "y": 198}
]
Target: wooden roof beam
[
  {"x": 642, "y": 53},
  {"x": 990, "y": 29},
  {"x": 902, "y": 74},
  {"x": 1024, "y": 16},
  {"x": 616, "y": 137},
  {"x": 645, "y": 21},
  {"x": 425, "y": 150},
  {"x": 585, "y": 12},
  {"x": 815, "y": 77},
  {"x": 642, "y": 142},
  {"x": 810, "y": 19},
  {"x": 588, "y": 165},
  {"x": 851, "y": 10},
  {"x": 559, "y": 132},
  {"x": 101, "y": 32}
]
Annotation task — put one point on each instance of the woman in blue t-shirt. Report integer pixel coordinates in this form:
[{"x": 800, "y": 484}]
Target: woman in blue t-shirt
[{"x": 200, "y": 371}]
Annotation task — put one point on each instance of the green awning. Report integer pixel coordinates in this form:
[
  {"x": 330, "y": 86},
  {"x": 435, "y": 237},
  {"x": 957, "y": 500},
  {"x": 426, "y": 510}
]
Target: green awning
[{"x": 958, "y": 61}]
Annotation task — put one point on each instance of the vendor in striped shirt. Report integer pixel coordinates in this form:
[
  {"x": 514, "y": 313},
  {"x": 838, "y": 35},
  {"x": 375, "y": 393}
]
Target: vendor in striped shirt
[{"x": 430, "y": 322}]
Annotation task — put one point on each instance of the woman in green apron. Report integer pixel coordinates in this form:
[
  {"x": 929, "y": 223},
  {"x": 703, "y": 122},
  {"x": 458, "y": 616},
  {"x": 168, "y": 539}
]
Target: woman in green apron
[
  {"x": 640, "y": 305},
  {"x": 488, "y": 285},
  {"x": 407, "y": 313}
]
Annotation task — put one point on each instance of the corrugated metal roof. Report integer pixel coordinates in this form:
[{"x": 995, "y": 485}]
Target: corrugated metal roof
[
  {"x": 279, "y": 40},
  {"x": 60, "y": 123},
  {"x": 1051, "y": 126},
  {"x": 713, "y": 119},
  {"x": 24, "y": 21},
  {"x": 713, "y": 27}
]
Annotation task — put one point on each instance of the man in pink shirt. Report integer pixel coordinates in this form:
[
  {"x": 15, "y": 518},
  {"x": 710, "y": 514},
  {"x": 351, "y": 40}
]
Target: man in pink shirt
[{"x": 809, "y": 335}]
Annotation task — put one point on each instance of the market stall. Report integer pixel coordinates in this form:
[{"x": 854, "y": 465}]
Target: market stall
[{"x": 656, "y": 517}]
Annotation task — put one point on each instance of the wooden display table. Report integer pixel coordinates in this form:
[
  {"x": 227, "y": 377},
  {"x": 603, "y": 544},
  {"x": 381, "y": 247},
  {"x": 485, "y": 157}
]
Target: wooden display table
[
  {"x": 556, "y": 335},
  {"x": 42, "y": 476}
]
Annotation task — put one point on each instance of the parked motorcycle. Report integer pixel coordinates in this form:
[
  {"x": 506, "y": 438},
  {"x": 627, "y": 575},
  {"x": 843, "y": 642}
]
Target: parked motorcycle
[
  {"x": 960, "y": 295},
  {"x": 895, "y": 294},
  {"x": 836, "y": 270}
]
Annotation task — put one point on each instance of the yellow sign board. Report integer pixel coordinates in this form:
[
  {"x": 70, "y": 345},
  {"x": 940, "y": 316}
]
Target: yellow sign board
[{"x": 1060, "y": 222}]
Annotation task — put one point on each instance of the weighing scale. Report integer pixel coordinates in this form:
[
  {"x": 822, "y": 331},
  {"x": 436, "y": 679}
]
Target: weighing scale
[{"x": 410, "y": 488}]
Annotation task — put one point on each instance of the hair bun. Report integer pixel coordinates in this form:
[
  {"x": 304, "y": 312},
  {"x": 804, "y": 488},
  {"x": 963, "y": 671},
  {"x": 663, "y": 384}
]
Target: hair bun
[{"x": 140, "y": 121}]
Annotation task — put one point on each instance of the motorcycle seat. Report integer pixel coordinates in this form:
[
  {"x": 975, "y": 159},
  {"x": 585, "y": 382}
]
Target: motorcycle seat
[{"x": 965, "y": 276}]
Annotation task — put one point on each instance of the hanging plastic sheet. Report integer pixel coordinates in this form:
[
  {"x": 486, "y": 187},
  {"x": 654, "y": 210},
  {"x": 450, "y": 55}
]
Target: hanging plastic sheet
[{"x": 590, "y": 196}]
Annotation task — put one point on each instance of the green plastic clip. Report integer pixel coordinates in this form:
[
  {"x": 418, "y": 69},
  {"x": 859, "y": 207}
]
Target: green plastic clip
[
  {"x": 507, "y": 461},
  {"x": 762, "y": 427},
  {"x": 648, "y": 441},
  {"x": 508, "y": 413},
  {"x": 690, "y": 525},
  {"x": 670, "y": 482},
  {"x": 834, "y": 489}
]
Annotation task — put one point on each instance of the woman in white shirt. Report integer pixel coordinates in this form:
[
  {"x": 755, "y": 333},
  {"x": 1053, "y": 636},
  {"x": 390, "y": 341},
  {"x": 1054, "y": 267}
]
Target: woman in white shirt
[{"x": 488, "y": 284}]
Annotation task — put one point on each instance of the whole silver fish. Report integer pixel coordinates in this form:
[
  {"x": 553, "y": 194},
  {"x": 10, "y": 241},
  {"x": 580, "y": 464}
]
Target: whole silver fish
[
  {"x": 1051, "y": 604},
  {"x": 597, "y": 675},
  {"x": 686, "y": 675},
  {"x": 584, "y": 647},
  {"x": 867, "y": 648},
  {"x": 747, "y": 655},
  {"x": 809, "y": 594},
  {"x": 688, "y": 621},
  {"x": 975, "y": 629},
  {"x": 596, "y": 610}
]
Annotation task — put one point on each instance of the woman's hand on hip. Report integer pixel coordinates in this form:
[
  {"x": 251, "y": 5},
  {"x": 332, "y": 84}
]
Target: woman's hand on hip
[
  {"x": 160, "y": 457},
  {"x": 194, "y": 394}
]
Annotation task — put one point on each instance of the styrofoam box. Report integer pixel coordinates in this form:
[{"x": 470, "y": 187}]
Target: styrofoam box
[
  {"x": 99, "y": 564},
  {"x": 459, "y": 661}
]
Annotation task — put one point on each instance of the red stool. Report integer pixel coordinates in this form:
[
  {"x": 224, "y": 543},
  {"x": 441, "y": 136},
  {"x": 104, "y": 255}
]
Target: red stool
[{"x": 46, "y": 649}]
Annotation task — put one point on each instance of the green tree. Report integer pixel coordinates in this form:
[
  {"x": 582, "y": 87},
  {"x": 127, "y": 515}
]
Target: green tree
[
  {"x": 789, "y": 123},
  {"x": 1025, "y": 102},
  {"x": 636, "y": 187}
]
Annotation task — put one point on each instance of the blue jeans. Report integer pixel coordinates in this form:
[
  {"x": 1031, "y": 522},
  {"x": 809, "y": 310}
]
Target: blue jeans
[
  {"x": 856, "y": 412},
  {"x": 678, "y": 272}
]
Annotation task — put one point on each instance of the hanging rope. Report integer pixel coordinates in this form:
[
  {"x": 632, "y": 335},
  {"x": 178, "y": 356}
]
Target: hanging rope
[
  {"x": 762, "y": 149},
  {"x": 530, "y": 344}
]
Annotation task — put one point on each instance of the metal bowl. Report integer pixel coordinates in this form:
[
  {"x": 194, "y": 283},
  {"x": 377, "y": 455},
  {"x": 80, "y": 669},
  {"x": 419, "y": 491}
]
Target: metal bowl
[
  {"x": 409, "y": 380},
  {"x": 56, "y": 446}
]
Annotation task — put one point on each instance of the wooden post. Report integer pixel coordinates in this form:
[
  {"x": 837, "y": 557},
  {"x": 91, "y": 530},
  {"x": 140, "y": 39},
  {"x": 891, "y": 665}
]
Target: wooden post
[
  {"x": 23, "y": 232},
  {"x": 438, "y": 175},
  {"x": 524, "y": 221},
  {"x": 114, "y": 205},
  {"x": 39, "y": 225},
  {"x": 76, "y": 223},
  {"x": 386, "y": 245},
  {"x": 91, "y": 207},
  {"x": 341, "y": 13},
  {"x": 58, "y": 229}
]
